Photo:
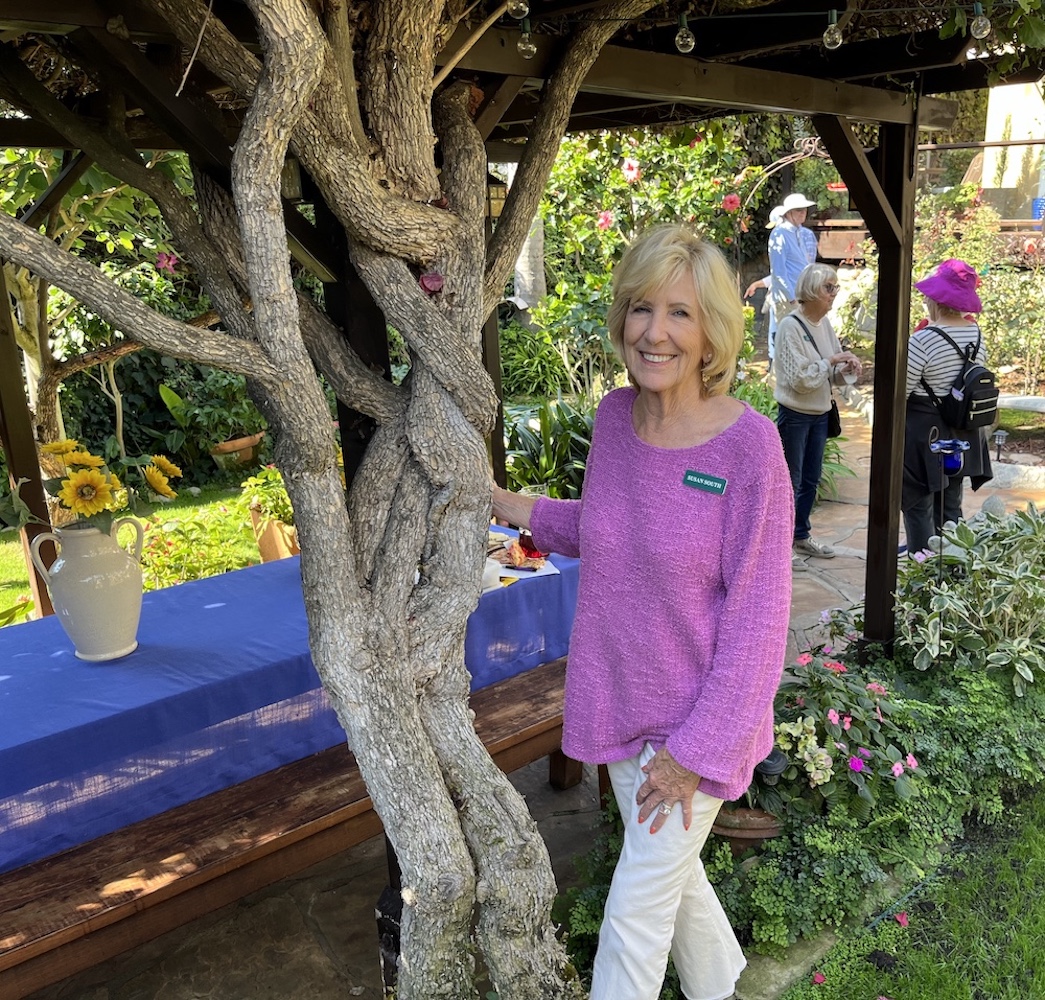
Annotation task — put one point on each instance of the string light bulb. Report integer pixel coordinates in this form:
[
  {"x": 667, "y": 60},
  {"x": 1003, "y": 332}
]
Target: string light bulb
[
  {"x": 685, "y": 40},
  {"x": 981, "y": 24},
  {"x": 518, "y": 9},
  {"x": 525, "y": 45},
  {"x": 832, "y": 34}
]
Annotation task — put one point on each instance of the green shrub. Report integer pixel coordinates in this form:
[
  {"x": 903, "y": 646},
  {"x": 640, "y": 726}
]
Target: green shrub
[
  {"x": 530, "y": 363},
  {"x": 547, "y": 447}
]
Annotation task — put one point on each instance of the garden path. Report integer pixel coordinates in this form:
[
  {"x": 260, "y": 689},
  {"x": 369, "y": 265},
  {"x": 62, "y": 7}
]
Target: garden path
[{"x": 314, "y": 935}]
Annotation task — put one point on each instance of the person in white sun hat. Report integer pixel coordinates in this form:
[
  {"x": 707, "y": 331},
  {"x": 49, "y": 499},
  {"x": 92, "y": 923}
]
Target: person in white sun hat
[
  {"x": 792, "y": 248},
  {"x": 775, "y": 215}
]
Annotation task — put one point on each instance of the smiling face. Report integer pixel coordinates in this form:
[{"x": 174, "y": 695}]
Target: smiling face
[{"x": 664, "y": 343}]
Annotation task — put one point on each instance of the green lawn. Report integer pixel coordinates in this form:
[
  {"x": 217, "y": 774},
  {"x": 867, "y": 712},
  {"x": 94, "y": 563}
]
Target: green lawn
[
  {"x": 974, "y": 928},
  {"x": 226, "y": 543}
]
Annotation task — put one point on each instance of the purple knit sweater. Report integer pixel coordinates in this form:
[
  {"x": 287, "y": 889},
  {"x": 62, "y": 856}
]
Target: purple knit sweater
[{"x": 684, "y": 596}]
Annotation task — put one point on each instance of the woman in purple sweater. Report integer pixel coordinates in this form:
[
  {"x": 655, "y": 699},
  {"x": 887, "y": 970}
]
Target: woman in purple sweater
[{"x": 684, "y": 535}]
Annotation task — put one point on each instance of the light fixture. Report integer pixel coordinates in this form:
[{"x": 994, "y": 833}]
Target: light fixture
[
  {"x": 999, "y": 440},
  {"x": 525, "y": 45},
  {"x": 981, "y": 24},
  {"x": 518, "y": 8},
  {"x": 832, "y": 34},
  {"x": 685, "y": 40}
]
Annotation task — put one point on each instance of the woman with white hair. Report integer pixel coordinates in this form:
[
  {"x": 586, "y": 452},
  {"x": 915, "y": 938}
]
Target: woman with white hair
[{"x": 809, "y": 361}]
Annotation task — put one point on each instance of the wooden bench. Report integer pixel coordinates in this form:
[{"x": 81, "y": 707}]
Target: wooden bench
[{"x": 69, "y": 912}]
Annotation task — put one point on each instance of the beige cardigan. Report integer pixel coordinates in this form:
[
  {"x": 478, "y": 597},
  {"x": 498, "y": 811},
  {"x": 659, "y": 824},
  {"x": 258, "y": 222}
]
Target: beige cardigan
[{"x": 804, "y": 376}]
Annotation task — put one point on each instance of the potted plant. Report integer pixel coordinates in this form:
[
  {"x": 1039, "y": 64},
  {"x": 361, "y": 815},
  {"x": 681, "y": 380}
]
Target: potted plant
[
  {"x": 837, "y": 751},
  {"x": 271, "y": 514},
  {"x": 221, "y": 416}
]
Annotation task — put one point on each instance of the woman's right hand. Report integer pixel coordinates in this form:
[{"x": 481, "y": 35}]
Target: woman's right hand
[{"x": 515, "y": 508}]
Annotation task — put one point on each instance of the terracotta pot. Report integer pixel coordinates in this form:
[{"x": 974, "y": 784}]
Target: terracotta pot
[
  {"x": 95, "y": 587},
  {"x": 236, "y": 451},
  {"x": 745, "y": 828},
  {"x": 276, "y": 540}
]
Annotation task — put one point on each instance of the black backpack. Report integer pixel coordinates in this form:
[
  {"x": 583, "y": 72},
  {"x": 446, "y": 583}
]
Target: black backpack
[{"x": 972, "y": 400}]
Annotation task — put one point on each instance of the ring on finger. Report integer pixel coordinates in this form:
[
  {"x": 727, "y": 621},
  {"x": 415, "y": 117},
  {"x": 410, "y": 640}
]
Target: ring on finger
[{"x": 665, "y": 809}]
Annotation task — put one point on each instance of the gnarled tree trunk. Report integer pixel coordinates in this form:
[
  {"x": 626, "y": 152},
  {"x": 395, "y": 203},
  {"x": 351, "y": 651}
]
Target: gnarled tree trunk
[{"x": 389, "y": 578}]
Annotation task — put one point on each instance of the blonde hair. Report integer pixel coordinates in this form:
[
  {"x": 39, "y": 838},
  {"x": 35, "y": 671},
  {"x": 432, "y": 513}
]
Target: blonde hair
[
  {"x": 811, "y": 281},
  {"x": 658, "y": 258}
]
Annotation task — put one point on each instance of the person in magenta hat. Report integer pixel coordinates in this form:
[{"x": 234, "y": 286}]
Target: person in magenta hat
[{"x": 930, "y": 497}]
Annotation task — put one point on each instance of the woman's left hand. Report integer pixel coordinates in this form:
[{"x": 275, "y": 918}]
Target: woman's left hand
[{"x": 667, "y": 783}]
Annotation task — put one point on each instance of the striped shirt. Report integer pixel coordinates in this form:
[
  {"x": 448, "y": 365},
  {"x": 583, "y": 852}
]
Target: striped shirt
[{"x": 929, "y": 356}]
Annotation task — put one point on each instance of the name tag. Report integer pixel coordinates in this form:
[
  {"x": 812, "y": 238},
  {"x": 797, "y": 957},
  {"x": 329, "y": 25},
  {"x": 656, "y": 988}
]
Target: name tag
[{"x": 705, "y": 482}]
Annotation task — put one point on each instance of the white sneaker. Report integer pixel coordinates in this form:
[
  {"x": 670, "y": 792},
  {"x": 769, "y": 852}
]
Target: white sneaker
[
  {"x": 811, "y": 547},
  {"x": 798, "y": 564}
]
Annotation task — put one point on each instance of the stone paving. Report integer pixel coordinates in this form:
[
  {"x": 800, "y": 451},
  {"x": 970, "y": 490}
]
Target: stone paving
[{"x": 314, "y": 936}]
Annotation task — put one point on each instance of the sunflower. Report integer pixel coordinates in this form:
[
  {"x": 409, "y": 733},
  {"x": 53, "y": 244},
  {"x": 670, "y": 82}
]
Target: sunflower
[
  {"x": 83, "y": 459},
  {"x": 60, "y": 447},
  {"x": 158, "y": 482},
  {"x": 166, "y": 466},
  {"x": 86, "y": 492}
]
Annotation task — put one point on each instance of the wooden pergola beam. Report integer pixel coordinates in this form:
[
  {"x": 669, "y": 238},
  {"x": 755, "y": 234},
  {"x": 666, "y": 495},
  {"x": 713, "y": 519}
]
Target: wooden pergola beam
[{"x": 659, "y": 76}]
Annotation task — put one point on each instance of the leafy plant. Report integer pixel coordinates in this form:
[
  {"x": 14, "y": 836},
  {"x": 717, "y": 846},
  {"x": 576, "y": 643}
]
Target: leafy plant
[
  {"x": 266, "y": 493},
  {"x": 190, "y": 545},
  {"x": 844, "y": 751},
  {"x": 218, "y": 410},
  {"x": 979, "y": 601},
  {"x": 530, "y": 363},
  {"x": 547, "y": 447}
]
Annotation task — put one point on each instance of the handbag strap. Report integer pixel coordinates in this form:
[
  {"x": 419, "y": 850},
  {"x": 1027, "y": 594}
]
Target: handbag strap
[{"x": 809, "y": 337}]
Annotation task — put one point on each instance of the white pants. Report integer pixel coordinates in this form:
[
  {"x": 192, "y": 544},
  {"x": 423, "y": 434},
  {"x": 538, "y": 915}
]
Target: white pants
[{"x": 660, "y": 900}]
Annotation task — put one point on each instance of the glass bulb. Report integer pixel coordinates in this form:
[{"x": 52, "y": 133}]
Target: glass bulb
[
  {"x": 833, "y": 37},
  {"x": 685, "y": 40},
  {"x": 980, "y": 27},
  {"x": 518, "y": 8},
  {"x": 525, "y": 45}
]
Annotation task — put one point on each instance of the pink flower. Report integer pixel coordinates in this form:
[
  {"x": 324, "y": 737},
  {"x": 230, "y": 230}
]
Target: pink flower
[
  {"x": 832, "y": 717},
  {"x": 431, "y": 282},
  {"x": 841, "y": 746},
  {"x": 856, "y": 764},
  {"x": 605, "y": 220},
  {"x": 804, "y": 659},
  {"x": 166, "y": 262},
  {"x": 897, "y": 769},
  {"x": 631, "y": 170},
  {"x": 818, "y": 978},
  {"x": 911, "y": 762},
  {"x": 847, "y": 721},
  {"x": 876, "y": 688},
  {"x": 731, "y": 202},
  {"x": 838, "y": 668},
  {"x": 920, "y": 557},
  {"x": 901, "y": 918},
  {"x": 865, "y": 753}
]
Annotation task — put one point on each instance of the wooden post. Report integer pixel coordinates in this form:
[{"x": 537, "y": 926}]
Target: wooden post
[
  {"x": 884, "y": 194},
  {"x": 16, "y": 435}
]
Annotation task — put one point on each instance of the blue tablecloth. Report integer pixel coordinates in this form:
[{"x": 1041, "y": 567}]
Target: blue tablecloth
[{"x": 220, "y": 689}]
